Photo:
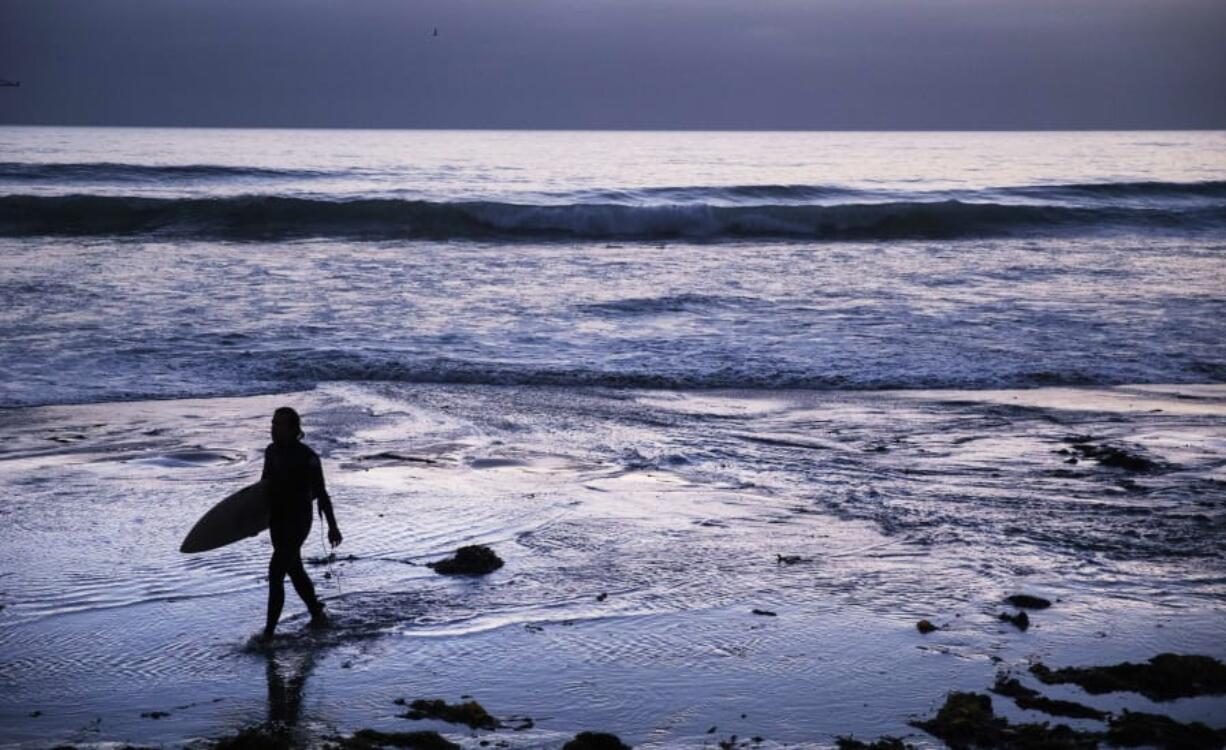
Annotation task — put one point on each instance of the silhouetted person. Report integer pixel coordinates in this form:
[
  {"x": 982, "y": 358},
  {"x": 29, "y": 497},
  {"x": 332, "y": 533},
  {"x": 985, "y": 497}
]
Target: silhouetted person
[{"x": 294, "y": 477}]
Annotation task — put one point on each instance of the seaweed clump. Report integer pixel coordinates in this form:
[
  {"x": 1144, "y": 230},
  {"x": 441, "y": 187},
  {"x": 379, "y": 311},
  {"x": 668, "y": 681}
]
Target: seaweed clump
[
  {"x": 1133, "y": 729},
  {"x": 471, "y": 713},
  {"x": 1110, "y": 455},
  {"x": 967, "y": 720},
  {"x": 370, "y": 739},
  {"x": 1027, "y": 698},
  {"x": 882, "y": 743},
  {"x": 472, "y": 560},
  {"x": 1164, "y": 677},
  {"x": 262, "y": 737},
  {"x": 595, "y": 741},
  {"x": 122, "y": 747}
]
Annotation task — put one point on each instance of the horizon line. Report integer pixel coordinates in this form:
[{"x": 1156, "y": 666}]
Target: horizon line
[{"x": 1221, "y": 128}]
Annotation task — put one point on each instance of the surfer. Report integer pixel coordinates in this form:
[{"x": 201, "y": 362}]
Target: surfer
[{"x": 294, "y": 477}]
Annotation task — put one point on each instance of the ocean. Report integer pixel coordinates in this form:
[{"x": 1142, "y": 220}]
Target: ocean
[
  {"x": 164, "y": 263},
  {"x": 675, "y": 380}
]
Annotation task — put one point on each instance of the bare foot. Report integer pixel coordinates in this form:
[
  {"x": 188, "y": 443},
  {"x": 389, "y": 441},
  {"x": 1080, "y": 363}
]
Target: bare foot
[{"x": 319, "y": 618}]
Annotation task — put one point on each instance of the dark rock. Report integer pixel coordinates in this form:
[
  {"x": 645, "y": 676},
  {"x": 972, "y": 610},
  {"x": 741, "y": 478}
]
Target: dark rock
[
  {"x": 1115, "y": 457},
  {"x": 925, "y": 627},
  {"x": 595, "y": 741},
  {"x": 1021, "y": 620},
  {"x": 1026, "y": 601},
  {"x": 1151, "y": 730},
  {"x": 65, "y": 439},
  {"x": 1030, "y": 699},
  {"x": 471, "y": 713},
  {"x": 884, "y": 743},
  {"x": 473, "y": 560},
  {"x": 1108, "y": 456},
  {"x": 765, "y": 613},
  {"x": 966, "y": 720},
  {"x": 370, "y": 739},
  {"x": 1164, "y": 677},
  {"x": 120, "y": 747},
  {"x": 1079, "y": 439}
]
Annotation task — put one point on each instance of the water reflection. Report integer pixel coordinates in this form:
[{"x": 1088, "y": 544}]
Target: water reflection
[{"x": 287, "y": 675}]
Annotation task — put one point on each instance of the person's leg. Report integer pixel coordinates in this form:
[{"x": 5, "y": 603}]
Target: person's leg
[
  {"x": 276, "y": 590},
  {"x": 302, "y": 582}
]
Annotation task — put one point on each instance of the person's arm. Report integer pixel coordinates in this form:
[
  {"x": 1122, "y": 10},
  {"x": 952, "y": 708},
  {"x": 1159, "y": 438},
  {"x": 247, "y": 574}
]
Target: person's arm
[{"x": 320, "y": 490}]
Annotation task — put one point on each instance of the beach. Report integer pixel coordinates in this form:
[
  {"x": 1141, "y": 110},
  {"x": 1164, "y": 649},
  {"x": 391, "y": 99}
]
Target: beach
[
  {"x": 640, "y": 530},
  {"x": 766, "y": 428}
]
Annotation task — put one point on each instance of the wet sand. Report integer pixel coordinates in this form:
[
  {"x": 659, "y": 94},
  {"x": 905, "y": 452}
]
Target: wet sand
[{"x": 888, "y": 507}]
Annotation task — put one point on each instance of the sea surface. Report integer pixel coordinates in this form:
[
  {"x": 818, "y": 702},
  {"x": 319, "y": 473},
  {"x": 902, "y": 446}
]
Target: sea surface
[
  {"x": 164, "y": 263},
  {"x": 849, "y": 380}
]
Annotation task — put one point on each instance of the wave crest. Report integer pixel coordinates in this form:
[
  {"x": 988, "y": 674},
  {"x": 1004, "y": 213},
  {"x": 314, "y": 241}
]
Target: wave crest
[{"x": 274, "y": 217}]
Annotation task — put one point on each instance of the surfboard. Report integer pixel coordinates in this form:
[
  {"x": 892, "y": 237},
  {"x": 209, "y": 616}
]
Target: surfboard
[{"x": 243, "y": 514}]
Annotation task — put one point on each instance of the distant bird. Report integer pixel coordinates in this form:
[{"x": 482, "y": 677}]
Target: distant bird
[{"x": 9, "y": 83}]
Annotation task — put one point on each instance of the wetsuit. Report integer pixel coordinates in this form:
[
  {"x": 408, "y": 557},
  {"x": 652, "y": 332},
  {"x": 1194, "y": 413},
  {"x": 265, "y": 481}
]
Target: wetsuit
[{"x": 294, "y": 477}]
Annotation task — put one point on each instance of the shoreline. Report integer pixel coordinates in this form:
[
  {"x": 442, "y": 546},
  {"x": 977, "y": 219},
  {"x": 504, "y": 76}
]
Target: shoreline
[{"x": 1055, "y": 396}]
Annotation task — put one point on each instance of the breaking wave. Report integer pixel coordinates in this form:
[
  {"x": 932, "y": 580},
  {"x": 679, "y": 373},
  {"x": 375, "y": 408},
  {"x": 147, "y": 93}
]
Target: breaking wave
[
  {"x": 295, "y": 369},
  {"x": 276, "y": 217},
  {"x": 1206, "y": 189},
  {"x": 794, "y": 194}
]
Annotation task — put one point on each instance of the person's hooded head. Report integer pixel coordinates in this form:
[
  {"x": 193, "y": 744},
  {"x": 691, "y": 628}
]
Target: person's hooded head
[{"x": 286, "y": 426}]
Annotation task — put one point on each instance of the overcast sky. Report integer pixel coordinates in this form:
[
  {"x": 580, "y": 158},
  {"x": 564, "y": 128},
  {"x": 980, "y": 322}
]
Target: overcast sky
[{"x": 700, "y": 64}]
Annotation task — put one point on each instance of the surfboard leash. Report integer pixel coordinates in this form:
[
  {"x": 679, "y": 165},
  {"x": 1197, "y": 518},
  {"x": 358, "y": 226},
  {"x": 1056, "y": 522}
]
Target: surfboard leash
[{"x": 328, "y": 561}]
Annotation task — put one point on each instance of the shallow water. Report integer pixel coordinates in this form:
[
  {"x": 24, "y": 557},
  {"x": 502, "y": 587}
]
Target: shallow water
[
  {"x": 95, "y": 322},
  {"x": 903, "y": 505}
]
